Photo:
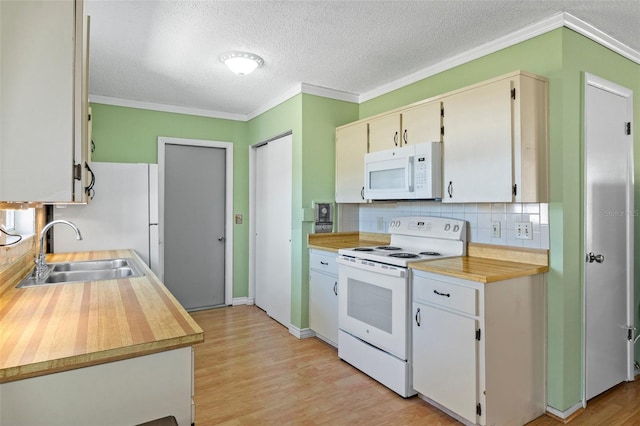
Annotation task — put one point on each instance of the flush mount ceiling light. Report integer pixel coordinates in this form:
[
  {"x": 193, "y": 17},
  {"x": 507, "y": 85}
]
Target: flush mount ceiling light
[{"x": 241, "y": 63}]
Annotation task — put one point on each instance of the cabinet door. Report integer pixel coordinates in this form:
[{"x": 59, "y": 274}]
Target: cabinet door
[
  {"x": 384, "y": 133},
  {"x": 38, "y": 112},
  {"x": 445, "y": 359},
  {"x": 422, "y": 124},
  {"x": 477, "y": 147},
  {"x": 351, "y": 146},
  {"x": 323, "y": 305}
]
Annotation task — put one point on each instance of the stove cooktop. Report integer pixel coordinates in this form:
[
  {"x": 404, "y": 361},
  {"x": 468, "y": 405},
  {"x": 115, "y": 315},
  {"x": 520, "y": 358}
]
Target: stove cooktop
[{"x": 414, "y": 239}]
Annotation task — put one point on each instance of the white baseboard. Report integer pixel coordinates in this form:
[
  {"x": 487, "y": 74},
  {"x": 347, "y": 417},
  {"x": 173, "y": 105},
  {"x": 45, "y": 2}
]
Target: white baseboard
[
  {"x": 301, "y": 333},
  {"x": 566, "y": 413},
  {"x": 242, "y": 301}
]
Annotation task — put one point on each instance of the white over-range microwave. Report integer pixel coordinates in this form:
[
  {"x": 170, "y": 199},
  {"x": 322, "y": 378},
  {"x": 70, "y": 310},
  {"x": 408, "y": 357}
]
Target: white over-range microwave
[{"x": 411, "y": 172}]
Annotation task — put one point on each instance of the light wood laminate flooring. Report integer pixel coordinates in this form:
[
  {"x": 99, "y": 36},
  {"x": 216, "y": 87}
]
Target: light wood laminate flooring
[{"x": 251, "y": 371}]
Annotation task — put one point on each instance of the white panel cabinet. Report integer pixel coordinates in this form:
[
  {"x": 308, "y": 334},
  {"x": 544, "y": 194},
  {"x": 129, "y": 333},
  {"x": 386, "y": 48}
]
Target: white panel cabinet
[
  {"x": 384, "y": 133},
  {"x": 495, "y": 141},
  {"x": 479, "y": 349},
  {"x": 126, "y": 392},
  {"x": 44, "y": 108},
  {"x": 420, "y": 123},
  {"x": 323, "y": 295},
  {"x": 351, "y": 146}
]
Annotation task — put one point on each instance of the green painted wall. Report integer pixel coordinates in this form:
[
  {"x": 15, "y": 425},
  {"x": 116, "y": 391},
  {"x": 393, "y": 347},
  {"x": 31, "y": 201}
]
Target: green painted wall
[{"x": 562, "y": 56}]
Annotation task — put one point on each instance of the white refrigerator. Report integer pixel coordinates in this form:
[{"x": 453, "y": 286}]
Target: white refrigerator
[{"x": 122, "y": 215}]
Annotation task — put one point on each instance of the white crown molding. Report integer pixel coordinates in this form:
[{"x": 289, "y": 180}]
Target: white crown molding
[
  {"x": 526, "y": 33},
  {"x": 107, "y": 100},
  {"x": 308, "y": 89},
  {"x": 598, "y": 36},
  {"x": 562, "y": 19},
  {"x": 325, "y": 92},
  {"x": 296, "y": 89}
]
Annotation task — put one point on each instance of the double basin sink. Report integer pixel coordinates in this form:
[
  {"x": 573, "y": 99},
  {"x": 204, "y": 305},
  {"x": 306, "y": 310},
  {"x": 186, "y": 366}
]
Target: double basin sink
[{"x": 89, "y": 270}]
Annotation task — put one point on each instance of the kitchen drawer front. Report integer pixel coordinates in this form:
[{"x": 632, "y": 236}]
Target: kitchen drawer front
[
  {"x": 452, "y": 296},
  {"x": 323, "y": 261}
]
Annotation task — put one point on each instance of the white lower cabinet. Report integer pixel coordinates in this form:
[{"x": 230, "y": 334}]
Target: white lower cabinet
[
  {"x": 125, "y": 392},
  {"x": 323, "y": 295},
  {"x": 479, "y": 349}
]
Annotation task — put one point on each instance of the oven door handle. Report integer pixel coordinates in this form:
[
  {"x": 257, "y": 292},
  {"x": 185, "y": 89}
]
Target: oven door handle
[{"x": 374, "y": 267}]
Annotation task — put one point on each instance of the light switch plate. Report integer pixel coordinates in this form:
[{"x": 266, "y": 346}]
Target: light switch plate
[{"x": 495, "y": 229}]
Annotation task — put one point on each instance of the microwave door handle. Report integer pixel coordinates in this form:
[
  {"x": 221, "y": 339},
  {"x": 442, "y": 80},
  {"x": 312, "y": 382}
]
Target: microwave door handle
[{"x": 410, "y": 175}]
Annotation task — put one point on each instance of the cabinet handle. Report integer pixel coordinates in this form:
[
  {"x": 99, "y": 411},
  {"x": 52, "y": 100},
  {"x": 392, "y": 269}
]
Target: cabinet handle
[
  {"x": 404, "y": 136},
  {"x": 335, "y": 288},
  {"x": 395, "y": 139},
  {"x": 441, "y": 294},
  {"x": 418, "y": 317},
  {"x": 362, "y": 192},
  {"x": 324, "y": 263},
  {"x": 450, "y": 189}
]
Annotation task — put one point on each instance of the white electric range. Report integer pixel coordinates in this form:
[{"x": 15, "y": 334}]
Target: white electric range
[{"x": 374, "y": 300}]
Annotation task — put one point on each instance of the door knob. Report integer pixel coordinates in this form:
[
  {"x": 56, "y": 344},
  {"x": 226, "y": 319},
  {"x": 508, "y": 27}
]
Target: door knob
[
  {"x": 592, "y": 257},
  {"x": 221, "y": 239}
]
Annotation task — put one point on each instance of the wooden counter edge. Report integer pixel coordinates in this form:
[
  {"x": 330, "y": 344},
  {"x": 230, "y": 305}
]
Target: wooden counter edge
[
  {"x": 11, "y": 374},
  {"x": 510, "y": 254}
]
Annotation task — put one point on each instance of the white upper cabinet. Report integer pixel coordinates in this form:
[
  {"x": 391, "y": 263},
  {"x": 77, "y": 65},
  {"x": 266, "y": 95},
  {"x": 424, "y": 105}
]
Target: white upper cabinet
[
  {"x": 44, "y": 108},
  {"x": 384, "y": 133},
  {"x": 351, "y": 146},
  {"x": 495, "y": 143},
  {"x": 421, "y": 123}
]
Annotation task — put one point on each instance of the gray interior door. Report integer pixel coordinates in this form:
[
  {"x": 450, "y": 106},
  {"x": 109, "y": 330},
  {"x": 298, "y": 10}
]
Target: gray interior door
[
  {"x": 194, "y": 225},
  {"x": 609, "y": 256}
]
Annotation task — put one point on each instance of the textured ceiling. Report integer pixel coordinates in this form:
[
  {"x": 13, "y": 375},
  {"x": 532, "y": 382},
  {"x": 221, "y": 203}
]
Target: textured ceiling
[{"x": 166, "y": 52}]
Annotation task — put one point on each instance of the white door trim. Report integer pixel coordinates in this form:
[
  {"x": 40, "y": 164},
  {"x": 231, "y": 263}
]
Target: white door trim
[
  {"x": 228, "y": 221},
  {"x": 601, "y": 83}
]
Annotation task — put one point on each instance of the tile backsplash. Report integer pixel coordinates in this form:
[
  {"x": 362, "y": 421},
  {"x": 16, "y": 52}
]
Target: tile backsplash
[{"x": 375, "y": 217}]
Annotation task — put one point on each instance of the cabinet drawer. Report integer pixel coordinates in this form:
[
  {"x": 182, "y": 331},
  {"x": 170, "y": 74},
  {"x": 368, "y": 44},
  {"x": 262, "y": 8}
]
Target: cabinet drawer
[
  {"x": 452, "y": 296},
  {"x": 323, "y": 261}
]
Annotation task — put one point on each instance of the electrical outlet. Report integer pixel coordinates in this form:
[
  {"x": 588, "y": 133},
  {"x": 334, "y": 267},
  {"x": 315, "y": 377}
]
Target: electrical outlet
[
  {"x": 495, "y": 229},
  {"x": 380, "y": 223},
  {"x": 523, "y": 231}
]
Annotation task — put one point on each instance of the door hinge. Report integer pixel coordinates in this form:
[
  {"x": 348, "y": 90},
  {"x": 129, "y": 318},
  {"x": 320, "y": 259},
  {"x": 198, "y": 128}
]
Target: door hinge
[
  {"x": 77, "y": 171},
  {"x": 478, "y": 334},
  {"x": 441, "y": 112},
  {"x": 513, "y": 93},
  {"x": 515, "y": 189},
  {"x": 629, "y": 334},
  {"x": 628, "y": 128},
  {"x": 479, "y": 409},
  {"x": 442, "y": 130}
]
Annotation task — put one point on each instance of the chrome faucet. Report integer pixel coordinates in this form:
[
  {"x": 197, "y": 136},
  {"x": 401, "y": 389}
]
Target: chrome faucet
[{"x": 42, "y": 269}]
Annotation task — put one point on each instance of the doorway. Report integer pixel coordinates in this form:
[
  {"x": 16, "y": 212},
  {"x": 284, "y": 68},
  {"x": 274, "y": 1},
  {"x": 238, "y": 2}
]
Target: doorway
[
  {"x": 270, "y": 252},
  {"x": 608, "y": 236},
  {"x": 195, "y": 183}
]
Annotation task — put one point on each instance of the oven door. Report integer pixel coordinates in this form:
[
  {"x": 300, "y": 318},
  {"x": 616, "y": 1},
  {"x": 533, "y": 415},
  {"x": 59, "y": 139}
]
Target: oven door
[{"x": 373, "y": 304}]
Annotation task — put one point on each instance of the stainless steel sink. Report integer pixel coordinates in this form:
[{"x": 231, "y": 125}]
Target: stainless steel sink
[{"x": 91, "y": 270}]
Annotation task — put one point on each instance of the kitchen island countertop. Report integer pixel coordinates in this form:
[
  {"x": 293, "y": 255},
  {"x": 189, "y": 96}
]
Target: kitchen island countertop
[{"x": 54, "y": 328}]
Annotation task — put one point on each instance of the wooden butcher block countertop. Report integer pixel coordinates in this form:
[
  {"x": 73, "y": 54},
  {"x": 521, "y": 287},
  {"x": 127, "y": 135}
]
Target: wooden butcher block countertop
[
  {"x": 488, "y": 263},
  {"x": 53, "y": 328},
  {"x": 335, "y": 241}
]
